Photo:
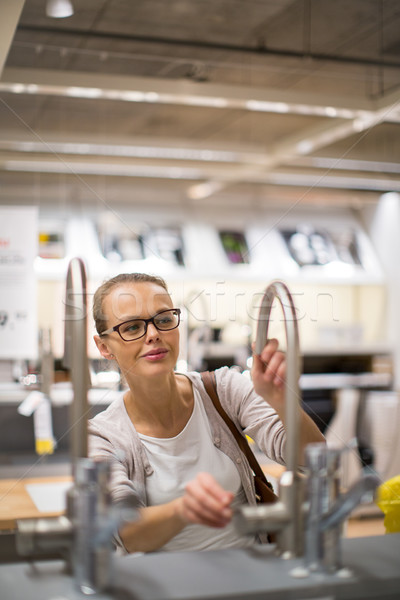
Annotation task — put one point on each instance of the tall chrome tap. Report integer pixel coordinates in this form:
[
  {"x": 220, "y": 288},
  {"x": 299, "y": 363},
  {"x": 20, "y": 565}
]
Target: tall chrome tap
[
  {"x": 75, "y": 356},
  {"x": 284, "y": 517},
  {"x": 89, "y": 501},
  {"x": 316, "y": 523},
  {"x": 84, "y": 535},
  {"x": 327, "y": 508}
]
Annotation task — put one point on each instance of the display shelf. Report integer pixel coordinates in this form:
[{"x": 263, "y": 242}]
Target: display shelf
[
  {"x": 60, "y": 394},
  {"x": 211, "y": 251}
]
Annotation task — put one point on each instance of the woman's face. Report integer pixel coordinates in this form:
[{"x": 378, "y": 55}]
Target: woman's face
[{"x": 154, "y": 353}]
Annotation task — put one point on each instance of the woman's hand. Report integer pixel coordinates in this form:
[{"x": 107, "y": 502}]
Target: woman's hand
[
  {"x": 268, "y": 373},
  {"x": 205, "y": 502}
]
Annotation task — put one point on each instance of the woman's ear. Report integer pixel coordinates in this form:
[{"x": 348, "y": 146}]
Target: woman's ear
[{"x": 103, "y": 348}]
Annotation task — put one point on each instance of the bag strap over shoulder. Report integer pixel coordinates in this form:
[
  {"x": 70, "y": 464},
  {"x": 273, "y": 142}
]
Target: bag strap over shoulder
[{"x": 210, "y": 385}]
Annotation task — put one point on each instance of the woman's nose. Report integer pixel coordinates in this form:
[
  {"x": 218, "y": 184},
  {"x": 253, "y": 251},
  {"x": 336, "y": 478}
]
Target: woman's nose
[{"x": 152, "y": 331}]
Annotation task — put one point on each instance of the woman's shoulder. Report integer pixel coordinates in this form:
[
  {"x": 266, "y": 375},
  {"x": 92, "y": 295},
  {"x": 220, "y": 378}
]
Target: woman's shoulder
[
  {"x": 112, "y": 433},
  {"x": 231, "y": 378},
  {"x": 230, "y": 382},
  {"x": 112, "y": 417},
  {"x": 222, "y": 374}
]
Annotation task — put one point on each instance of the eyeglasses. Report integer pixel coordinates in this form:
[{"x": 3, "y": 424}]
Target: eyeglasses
[{"x": 134, "y": 329}]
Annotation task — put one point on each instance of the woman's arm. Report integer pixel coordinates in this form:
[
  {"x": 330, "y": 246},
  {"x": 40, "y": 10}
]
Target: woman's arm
[
  {"x": 155, "y": 526},
  {"x": 204, "y": 502},
  {"x": 268, "y": 375}
]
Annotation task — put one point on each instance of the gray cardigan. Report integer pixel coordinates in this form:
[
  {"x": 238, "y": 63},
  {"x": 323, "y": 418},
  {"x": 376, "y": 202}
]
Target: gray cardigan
[{"x": 113, "y": 436}]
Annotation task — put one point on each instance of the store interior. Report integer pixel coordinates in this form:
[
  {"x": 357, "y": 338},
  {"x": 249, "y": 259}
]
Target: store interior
[{"x": 222, "y": 145}]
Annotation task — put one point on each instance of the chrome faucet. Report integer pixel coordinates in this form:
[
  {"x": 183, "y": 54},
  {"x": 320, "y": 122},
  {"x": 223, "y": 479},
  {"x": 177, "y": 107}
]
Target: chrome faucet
[
  {"x": 327, "y": 509},
  {"x": 284, "y": 517},
  {"x": 75, "y": 356},
  {"x": 84, "y": 535},
  {"x": 89, "y": 501}
]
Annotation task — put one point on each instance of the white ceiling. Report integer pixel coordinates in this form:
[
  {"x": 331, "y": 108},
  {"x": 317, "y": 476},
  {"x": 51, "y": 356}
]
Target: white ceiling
[{"x": 200, "y": 103}]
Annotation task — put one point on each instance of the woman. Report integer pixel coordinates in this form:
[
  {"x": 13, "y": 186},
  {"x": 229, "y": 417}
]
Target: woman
[{"x": 169, "y": 446}]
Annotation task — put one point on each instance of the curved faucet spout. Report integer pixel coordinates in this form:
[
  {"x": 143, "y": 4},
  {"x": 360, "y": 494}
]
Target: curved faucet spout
[
  {"x": 75, "y": 355},
  {"x": 279, "y": 290},
  {"x": 290, "y": 538}
]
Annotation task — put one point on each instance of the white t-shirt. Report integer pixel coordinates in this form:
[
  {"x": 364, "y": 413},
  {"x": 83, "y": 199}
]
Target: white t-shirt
[{"x": 178, "y": 460}]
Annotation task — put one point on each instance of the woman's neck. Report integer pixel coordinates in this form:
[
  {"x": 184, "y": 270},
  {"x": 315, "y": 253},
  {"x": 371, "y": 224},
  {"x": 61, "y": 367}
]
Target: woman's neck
[{"x": 160, "y": 406}]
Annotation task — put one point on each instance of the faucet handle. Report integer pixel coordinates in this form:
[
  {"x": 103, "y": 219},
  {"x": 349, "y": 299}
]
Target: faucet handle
[
  {"x": 320, "y": 456},
  {"x": 348, "y": 501}
]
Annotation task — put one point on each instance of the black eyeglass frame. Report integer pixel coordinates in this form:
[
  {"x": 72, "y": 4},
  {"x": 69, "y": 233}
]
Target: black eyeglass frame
[{"x": 146, "y": 323}]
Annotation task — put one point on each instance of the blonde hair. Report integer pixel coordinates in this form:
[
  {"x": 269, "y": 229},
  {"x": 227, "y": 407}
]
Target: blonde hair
[{"x": 103, "y": 291}]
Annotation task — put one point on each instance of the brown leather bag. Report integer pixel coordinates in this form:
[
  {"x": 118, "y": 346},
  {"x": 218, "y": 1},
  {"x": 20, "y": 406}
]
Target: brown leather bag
[{"x": 264, "y": 490}]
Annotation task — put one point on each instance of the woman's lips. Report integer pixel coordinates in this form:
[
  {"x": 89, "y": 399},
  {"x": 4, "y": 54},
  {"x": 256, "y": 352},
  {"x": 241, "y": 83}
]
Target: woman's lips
[{"x": 156, "y": 354}]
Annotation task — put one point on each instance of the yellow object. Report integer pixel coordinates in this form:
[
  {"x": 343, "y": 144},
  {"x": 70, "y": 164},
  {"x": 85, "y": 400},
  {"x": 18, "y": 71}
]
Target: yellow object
[
  {"x": 44, "y": 446},
  {"x": 388, "y": 500}
]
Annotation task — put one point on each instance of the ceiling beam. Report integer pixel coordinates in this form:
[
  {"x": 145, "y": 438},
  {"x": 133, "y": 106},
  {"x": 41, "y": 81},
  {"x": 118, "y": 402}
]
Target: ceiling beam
[
  {"x": 10, "y": 14},
  {"x": 79, "y": 145},
  {"x": 304, "y": 143},
  {"x": 153, "y": 90},
  {"x": 78, "y": 166},
  {"x": 191, "y": 45}
]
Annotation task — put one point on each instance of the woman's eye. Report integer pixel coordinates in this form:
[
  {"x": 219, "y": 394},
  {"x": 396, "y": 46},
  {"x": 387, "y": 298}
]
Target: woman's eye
[
  {"x": 131, "y": 327},
  {"x": 164, "y": 320}
]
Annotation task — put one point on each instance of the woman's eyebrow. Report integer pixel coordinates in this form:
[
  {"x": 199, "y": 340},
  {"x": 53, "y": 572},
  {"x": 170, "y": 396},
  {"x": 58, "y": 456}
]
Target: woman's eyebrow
[{"x": 141, "y": 318}]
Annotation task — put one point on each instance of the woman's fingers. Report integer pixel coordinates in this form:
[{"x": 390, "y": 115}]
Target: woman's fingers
[
  {"x": 193, "y": 515},
  {"x": 206, "y": 502},
  {"x": 280, "y": 375},
  {"x": 269, "y": 368},
  {"x": 270, "y": 356},
  {"x": 269, "y": 350},
  {"x": 275, "y": 368}
]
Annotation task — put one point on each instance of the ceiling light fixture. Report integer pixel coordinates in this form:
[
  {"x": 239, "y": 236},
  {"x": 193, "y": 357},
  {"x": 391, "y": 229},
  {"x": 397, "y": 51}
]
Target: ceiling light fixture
[
  {"x": 131, "y": 151},
  {"x": 135, "y": 89},
  {"x": 200, "y": 191},
  {"x": 59, "y": 9}
]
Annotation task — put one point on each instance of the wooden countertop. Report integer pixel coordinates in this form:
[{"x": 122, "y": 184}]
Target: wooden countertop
[{"x": 16, "y": 502}]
